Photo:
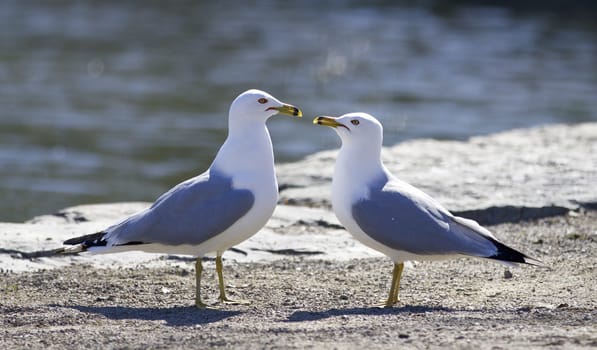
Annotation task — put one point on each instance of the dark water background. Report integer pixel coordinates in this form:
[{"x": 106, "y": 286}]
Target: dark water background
[{"x": 104, "y": 101}]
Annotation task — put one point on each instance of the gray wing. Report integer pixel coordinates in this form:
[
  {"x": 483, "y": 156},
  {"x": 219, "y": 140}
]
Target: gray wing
[
  {"x": 405, "y": 218},
  {"x": 190, "y": 213}
]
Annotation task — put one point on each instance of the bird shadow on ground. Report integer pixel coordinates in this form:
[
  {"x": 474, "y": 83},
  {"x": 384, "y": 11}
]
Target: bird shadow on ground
[
  {"x": 302, "y": 316},
  {"x": 176, "y": 316}
]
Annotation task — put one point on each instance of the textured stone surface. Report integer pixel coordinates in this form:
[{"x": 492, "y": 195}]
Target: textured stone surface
[
  {"x": 318, "y": 284},
  {"x": 519, "y": 174},
  {"x": 506, "y": 177}
]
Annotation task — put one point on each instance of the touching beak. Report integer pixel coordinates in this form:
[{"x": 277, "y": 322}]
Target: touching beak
[
  {"x": 328, "y": 121},
  {"x": 288, "y": 110}
]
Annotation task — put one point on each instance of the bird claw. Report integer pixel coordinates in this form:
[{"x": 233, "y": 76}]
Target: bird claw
[
  {"x": 386, "y": 304},
  {"x": 226, "y": 301},
  {"x": 203, "y": 306}
]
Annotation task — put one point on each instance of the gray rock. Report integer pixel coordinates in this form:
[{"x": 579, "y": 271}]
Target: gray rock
[
  {"x": 510, "y": 176},
  {"x": 505, "y": 177}
]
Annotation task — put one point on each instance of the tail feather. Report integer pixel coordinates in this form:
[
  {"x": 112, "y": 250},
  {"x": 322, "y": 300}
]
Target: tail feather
[
  {"x": 77, "y": 245},
  {"x": 504, "y": 254},
  {"x": 507, "y": 254},
  {"x": 81, "y": 243}
]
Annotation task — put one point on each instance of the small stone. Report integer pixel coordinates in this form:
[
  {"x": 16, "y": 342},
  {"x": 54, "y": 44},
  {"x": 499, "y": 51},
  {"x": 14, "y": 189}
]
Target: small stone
[{"x": 507, "y": 274}]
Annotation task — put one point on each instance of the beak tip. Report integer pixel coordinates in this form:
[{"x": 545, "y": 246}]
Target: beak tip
[{"x": 289, "y": 110}]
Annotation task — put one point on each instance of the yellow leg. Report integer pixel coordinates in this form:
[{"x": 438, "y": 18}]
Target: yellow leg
[
  {"x": 395, "y": 286},
  {"x": 397, "y": 276},
  {"x": 198, "y": 271},
  {"x": 223, "y": 298}
]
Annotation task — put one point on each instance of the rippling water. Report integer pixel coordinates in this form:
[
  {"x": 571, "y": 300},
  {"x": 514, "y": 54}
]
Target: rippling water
[{"x": 113, "y": 101}]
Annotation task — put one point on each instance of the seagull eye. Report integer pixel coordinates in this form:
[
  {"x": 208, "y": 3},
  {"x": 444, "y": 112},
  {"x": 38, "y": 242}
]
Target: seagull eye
[
  {"x": 262, "y": 100},
  {"x": 354, "y": 122}
]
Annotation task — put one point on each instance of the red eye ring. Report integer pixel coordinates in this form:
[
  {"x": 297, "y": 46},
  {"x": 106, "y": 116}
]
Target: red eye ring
[{"x": 262, "y": 100}]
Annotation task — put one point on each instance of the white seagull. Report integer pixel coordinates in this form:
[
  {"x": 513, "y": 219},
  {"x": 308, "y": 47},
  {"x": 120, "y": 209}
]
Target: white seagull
[
  {"x": 393, "y": 217},
  {"x": 216, "y": 210}
]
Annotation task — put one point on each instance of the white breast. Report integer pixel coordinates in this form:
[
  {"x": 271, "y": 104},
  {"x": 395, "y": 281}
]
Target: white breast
[
  {"x": 350, "y": 183},
  {"x": 250, "y": 161}
]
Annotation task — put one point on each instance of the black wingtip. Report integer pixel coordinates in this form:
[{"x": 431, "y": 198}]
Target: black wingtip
[
  {"x": 505, "y": 253},
  {"x": 86, "y": 241},
  {"x": 508, "y": 254}
]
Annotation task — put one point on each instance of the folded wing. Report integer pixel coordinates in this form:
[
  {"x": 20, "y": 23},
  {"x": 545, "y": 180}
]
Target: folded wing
[
  {"x": 404, "y": 218},
  {"x": 190, "y": 213}
]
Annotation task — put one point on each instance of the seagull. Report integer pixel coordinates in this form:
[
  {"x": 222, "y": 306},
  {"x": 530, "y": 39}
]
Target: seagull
[
  {"x": 393, "y": 217},
  {"x": 215, "y": 210}
]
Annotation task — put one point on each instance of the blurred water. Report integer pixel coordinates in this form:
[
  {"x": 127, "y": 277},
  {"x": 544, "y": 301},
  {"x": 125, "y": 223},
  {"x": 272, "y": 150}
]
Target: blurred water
[{"x": 117, "y": 101}]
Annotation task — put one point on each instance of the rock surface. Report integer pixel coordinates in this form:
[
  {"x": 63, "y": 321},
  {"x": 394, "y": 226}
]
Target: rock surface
[
  {"x": 312, "y": 285},
  {"x": 505, "y": 177},
  {"x": 292, "y": 231}
]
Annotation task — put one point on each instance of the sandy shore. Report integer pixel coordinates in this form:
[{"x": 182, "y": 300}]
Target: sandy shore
[{"x": 320, "y": 303}]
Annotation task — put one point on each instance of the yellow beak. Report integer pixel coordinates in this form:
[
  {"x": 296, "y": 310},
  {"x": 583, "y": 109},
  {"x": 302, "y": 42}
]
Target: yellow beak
[
  {"x": 328, "y": 121},
  {"x": 289, "y": 110}
]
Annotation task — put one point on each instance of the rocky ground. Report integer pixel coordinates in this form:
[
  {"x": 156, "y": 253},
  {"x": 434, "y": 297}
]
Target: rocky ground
[
  {"x": 504, "y": 177},
  {"x": 322, "y": 304},
  {"x": 312, "y": 286}
]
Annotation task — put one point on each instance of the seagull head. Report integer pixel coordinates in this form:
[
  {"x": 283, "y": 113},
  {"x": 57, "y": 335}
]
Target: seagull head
[
  {"x": 259, "y": 105},
  {"x": 359, "y": 129}
]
